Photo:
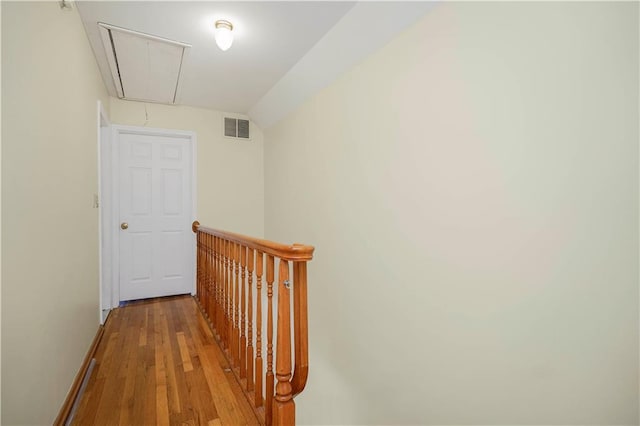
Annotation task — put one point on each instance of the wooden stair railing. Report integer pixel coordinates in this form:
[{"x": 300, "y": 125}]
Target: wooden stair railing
[{"x": 226, "y": 265}]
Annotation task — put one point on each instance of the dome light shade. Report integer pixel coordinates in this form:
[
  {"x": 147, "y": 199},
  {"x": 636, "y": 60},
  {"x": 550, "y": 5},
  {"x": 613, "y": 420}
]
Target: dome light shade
[{"x": 224, "y": 34}]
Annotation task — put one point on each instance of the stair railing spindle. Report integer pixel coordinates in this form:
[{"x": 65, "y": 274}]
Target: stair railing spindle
[{"x": 258, "y": 386}]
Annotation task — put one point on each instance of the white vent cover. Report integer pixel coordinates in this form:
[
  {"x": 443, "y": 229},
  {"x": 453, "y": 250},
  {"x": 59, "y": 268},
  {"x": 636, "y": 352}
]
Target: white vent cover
[
  {"x": 144, "y": 67},
  {"x": 236, "y": 128}
]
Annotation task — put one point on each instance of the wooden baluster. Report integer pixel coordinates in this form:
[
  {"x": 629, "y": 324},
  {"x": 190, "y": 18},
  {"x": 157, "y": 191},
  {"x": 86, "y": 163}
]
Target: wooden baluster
[
  {"x": 205, "y": 270},
  {"x": 284, "y": 412},
  {"x": 223, "y": 288},
  {"x": 211, "y": 279},
  {"x": 231, "y": 302},
  {"x": 269, "y": 376},
  {"x": 212, "y": 257},
  {"x": 236, "y": 317},
  {"x": 221, "y": 291},
  {"x": 243, "y": 310},
  {"x": 249, "y": 357},
  {"x": 216, "y": 282},
  {"x": 301, "y": 329},
  {"x": 202, "y": 270},
  {"x": 203, "y": 250},
  {"x": 229, "y": 298},
  {"x": 205, "y": 283},
  {"x": 214, "y": 279},
  {"x": 218, "y": 289},
  {"x": 198, "y": 264},
  {"x": 227, "y": 313},
  {"x": 216, "y": 248},
  {"x": 258, "y": 386},
  {"x": 214, "y": 286}
]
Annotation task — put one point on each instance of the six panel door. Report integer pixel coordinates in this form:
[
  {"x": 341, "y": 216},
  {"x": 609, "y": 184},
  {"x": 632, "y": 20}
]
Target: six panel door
[{"x": 156, "y": 245}]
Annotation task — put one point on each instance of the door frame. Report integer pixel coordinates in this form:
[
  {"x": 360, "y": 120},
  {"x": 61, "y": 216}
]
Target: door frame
[
  {"x": 104, "y": 255},
  {"x": 113, "y": 201}
]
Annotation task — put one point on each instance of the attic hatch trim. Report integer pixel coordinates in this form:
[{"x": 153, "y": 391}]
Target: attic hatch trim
[{"x": 112, "y": 58}]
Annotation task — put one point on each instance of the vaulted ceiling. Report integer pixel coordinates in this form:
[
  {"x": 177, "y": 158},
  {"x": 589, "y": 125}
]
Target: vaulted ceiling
[{"x": 282, "y": 52}]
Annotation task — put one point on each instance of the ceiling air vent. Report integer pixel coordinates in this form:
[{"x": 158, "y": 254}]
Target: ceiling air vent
[
  {"x": 144, "y": 67},
  {"x": 236, "y": 128}
]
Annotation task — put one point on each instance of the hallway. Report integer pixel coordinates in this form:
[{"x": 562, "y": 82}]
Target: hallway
[{"x": 158, "y": 363}]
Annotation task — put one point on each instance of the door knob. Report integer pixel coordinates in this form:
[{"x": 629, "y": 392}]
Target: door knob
[{"x": 124, "y": 225}]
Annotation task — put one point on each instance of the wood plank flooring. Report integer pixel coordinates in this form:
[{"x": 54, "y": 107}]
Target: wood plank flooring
[{"x": 158, "y": 364}]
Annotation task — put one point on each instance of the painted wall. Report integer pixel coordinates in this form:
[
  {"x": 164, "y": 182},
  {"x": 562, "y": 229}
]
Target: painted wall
[
  {"x": 230, "y": 172},
  {"x": 472, "y": 192},
  {"x": 50, "y": 85},
  {"x": 0, "y": 217}
]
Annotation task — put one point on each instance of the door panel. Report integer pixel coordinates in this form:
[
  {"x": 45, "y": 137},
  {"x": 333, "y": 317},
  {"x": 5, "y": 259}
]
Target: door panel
[
  {"x": 140, "y": 191},
  {"x": 171, "y": 192},
  {"x": 156, "y": 202},
  {"x": 141, "y": 258}
]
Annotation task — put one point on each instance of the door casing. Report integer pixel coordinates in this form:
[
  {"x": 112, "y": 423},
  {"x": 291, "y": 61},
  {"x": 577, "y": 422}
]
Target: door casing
[
  {"x": 112, "y": 199},
  {"x": 104, "y": 249}
]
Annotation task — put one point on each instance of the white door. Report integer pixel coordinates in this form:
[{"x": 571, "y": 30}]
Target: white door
[{"x": 156, "y": 256}]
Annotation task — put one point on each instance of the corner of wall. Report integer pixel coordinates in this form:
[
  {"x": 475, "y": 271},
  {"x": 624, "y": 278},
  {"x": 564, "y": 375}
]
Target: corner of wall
[{"x": 0, "y": 212}]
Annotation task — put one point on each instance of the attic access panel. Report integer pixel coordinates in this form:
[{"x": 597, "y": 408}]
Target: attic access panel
[{"x": 144, "y": 67}]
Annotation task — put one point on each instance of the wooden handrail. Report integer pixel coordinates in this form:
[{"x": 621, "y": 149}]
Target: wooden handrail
[
  {"x": 226, "y": 265},
  {"x": 292, "y": 252}
]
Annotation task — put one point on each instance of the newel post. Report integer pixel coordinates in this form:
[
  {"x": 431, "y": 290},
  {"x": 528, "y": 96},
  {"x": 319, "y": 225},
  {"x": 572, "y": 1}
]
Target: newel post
[{"x": 284, "y": 412}]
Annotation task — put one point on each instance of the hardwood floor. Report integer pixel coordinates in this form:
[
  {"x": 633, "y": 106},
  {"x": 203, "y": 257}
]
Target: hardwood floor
[{"x": 158, "y": 363}]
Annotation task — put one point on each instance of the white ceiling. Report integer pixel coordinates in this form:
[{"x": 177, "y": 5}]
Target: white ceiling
[
  {"x": 270, "y": 38},
  {"x": 283, "y": 52},
  {"x": 365, "y": 28}
]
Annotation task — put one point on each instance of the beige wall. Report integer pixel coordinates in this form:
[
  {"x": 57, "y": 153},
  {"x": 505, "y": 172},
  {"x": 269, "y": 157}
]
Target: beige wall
[
  {"x": 230, "y": 172},
  {"x": 50, "y": 85},
  {"x": 0, "y": 217},
  {"x": 472, "y": 192}
]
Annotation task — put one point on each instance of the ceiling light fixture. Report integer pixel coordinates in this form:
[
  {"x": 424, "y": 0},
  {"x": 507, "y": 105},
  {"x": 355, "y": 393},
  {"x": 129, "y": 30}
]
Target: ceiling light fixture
[{"x": 224, "y": 34}]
